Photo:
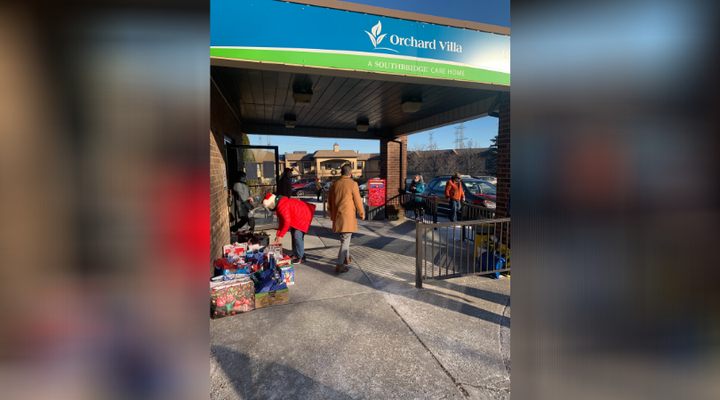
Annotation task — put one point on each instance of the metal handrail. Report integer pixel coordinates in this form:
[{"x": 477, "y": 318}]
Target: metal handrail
[
  {"x": 430, "y": 202},
  {"x": 465, "y": 223},
  {"x": 494, "y": 242}
]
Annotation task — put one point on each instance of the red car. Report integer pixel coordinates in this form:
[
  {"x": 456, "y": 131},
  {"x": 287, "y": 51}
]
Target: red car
[{"x": 303, "y": 181}]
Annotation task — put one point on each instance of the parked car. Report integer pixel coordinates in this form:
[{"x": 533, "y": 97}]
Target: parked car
[
  {"x": 302, "y": 182},
  {"x": 308, "y": 189},
  {"x": 491, "y": 179},
  {"x": 477, "y": 191}
]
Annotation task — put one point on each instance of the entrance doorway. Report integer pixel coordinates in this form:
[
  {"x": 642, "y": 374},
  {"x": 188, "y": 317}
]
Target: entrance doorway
[{"x": 261, "y": 166}]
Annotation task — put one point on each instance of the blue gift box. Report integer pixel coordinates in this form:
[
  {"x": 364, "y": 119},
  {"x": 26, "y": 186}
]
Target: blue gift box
[{"x": 288, "y": 274}]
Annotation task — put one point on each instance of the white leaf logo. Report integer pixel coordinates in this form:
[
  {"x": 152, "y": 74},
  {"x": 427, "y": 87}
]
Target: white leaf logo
[
  {"x": 376, "y": 38},
  {"x": 372, "y": 38},
  {"x": 376, "y": 29}
]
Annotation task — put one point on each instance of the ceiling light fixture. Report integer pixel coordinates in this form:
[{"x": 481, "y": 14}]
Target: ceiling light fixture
[
  {"x": 290, "y": 121},
  {"x": 411, "y": 104},
  {"x": 362, "y": 124},
  {"x": 302, "y": 96}
]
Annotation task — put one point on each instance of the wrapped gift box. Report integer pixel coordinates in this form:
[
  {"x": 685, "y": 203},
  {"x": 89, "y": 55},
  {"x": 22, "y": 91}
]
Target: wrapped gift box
[
  {"x": 231, "y": 297},
  {"x": 235, "y": 249},
  {"x": 272, "y": 297},
  {"x": 288, "y": 275},
  {"x": 285, "y": 262},
  {"x": 275, "y": 250}
]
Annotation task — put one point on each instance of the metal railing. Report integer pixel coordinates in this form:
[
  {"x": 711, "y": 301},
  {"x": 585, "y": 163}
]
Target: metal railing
[
  {"x": 261, "y": 190},
  {"x": 473, "y": 212},
  {"x": 428, "y": 204},
  {"x": 442, "y": 251}
]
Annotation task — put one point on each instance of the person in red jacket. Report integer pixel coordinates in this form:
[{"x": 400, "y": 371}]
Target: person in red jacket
[{"x": 294, "y": 215}]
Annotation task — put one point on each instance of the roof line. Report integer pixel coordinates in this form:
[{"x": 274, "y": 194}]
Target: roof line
[{"x": 405, "y": 15}]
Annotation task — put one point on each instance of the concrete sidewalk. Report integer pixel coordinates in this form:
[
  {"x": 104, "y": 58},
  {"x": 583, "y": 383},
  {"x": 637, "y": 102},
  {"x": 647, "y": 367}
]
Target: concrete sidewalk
[{"x": 367, "y": 333}]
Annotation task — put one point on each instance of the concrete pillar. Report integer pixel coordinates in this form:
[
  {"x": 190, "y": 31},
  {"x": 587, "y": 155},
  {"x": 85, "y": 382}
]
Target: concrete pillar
[
  {"x": 393, "y": 168},
  {"x": 503, "y": 158}
]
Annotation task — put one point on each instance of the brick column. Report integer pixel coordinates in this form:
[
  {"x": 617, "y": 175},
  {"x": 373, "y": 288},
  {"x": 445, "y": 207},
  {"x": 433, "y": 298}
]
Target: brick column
[
  {"x": 393, "y": 168},
  {"x": 503, "y": 158}
]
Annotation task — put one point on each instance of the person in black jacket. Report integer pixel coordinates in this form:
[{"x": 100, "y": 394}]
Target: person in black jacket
[{"x": 284, "y": 187}]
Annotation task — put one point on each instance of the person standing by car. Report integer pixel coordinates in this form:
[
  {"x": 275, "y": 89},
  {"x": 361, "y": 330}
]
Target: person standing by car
[
  {"x": 454, "y": 195},
  {"x": 344, "y": 202},
  {"x": 415, "y": 203},
  {"x": 284, "y": 187},
  {"x": 318, "y": 189}
]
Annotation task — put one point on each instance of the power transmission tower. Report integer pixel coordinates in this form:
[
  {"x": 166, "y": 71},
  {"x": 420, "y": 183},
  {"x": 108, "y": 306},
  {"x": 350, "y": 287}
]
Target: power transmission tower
[
  {"x": 460, "y": 136},
  {"x": 268, "y": 140},
  {"x": 432, "y": 145},
  {"x": 259, "y": 140}
]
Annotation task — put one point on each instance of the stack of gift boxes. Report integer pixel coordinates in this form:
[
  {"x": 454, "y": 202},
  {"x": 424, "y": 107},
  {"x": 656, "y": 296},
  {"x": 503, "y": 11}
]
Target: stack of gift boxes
[{"x": 250, "y": 275}]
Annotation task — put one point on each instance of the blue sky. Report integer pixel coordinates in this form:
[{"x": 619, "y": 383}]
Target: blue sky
[
  {"x": 495, "y": 12},
  {"x": 480, "y": 130}
]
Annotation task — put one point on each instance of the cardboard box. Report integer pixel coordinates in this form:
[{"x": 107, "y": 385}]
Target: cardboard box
[
  {"x": 231, "y": 297},
  {"x": 263, "y": 240},
  {"x": 288, "y": 275},
  {"x": 272, "y": 298}
]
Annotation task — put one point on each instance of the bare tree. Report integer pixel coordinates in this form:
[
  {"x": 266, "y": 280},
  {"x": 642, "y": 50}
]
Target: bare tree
[
  {"x": 430, "y": 162},
  {"x": 416, "y": 159}
]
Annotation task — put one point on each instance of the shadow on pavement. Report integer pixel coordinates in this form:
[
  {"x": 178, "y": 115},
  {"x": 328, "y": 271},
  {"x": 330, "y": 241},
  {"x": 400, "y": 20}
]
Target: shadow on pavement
[
  {"x": 431, "y": 295},
  {"x": 274, "y": 381},
  {"x": 441, "y": 293}
]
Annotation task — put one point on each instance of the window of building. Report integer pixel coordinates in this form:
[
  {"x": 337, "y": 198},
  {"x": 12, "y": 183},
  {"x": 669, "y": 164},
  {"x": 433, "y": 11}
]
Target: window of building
[
  {"x": 360, "y": 164},
  {"x": 328, "y": 166},
  {"x": 293, "y": 164},
  {"x": 307, "y": 166},
  {"x": 338, "y": 165}
]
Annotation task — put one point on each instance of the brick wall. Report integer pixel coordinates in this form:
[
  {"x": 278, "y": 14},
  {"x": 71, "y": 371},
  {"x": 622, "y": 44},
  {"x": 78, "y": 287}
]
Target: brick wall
[
  {"x": 223, "y": 122},
  {"x": 393, "y": 168},
  {"x": 503, "y": 158}
]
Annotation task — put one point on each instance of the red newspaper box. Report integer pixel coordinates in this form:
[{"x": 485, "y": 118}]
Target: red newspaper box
[{"x": 376, "y": 192}]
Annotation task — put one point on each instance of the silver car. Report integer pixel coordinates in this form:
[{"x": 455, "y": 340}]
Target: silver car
[{"x": 487, "y": 178}]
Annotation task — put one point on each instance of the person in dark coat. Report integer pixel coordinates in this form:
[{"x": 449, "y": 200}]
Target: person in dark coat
[
  {"x": 284, "y": 187},
  {"x": 318, "y": 189},
  {"x": 243, "y": 204}
]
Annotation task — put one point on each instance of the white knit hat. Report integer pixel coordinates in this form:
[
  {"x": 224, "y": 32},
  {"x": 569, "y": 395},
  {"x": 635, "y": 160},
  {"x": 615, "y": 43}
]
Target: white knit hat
[{"x": 269, "y": 201}]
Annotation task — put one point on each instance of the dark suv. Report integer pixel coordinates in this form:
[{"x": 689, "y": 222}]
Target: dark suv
[{"x": 477, "y": 192}]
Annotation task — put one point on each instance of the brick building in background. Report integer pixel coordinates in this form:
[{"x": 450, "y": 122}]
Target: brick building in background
[{"x": 325, "y": 164}]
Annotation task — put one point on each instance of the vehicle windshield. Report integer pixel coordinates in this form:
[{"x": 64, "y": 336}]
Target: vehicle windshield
[{"x": 479, "y": 187}]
